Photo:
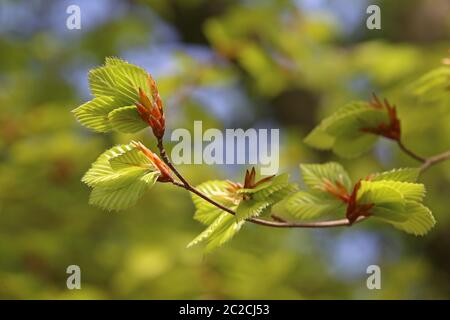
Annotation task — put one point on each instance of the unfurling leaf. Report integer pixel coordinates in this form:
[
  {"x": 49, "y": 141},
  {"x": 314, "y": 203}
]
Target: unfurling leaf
[
  {"x": 398, "y": 203},
  {"x": 254, "y": 200},
  {"x": 309, "y": 205},
  {"x": 403, "y": 174},
  {"x": 353, "y": 129},
  {"x": 329, "y": 190},
  {"x": 126, "y": 120},
  {"x": 420, "y": 219},
  {"x": 408, "y": 190},
  {"x": 94, "y": 114},
  {"x": 251, "y": 208},
  {"x": 391, "y": 196},
  {"x": 120, "y": 80},
  {"x": 261, "y": 197},
  {"x": 113, "y": 196},
  {"x": 434, "y": 85},
  {"x": 218, "y": 191},
  {"x": 120, "y": 176},
  {"x": 222, "y": 229},
  {"x": 318, "y": 176},
  {"x": 118, "y": 87}
]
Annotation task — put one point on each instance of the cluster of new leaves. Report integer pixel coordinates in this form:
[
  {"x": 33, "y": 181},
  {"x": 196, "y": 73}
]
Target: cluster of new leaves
[
  {"x": 115, "y": 87},
  {"x": 120, "y": 176},
  {"x": 252, "y": 199},
  {"x": 126, "y": 100},
  {"x": 393, "y": 197},
  {"x": 353, "y": 129}
]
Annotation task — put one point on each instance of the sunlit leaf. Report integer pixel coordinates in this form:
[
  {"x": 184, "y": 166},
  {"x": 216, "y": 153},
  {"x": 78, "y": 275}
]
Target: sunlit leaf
[
  {"x": 126, "y": 120},
  {"x": 345, "y": 131},
  {"x": 380, "y": 194},
  {"x": 217, "y": 190},
  {"x": 251, "y": 208},
  {"x": 418, "y": 222},
  {"x": 351, "y": 122},
  {"x": 221, "y": 230},
  {"x": 94, "y": 114},
  {"x": 115, "y": 87},
  {"x": 119, "y": 197},
  {"x": 112, "y": 61},
  {"x": 306, "y": 205},
  {"x": 433, "y": 84},
  {"x": 119, "y": 177},
  {"x": 404, "y": 174},
  {"x": 409, "y": 191},
  {"x": 120, "y": 81},
  {"x": 125, "y": 156},
  {"x": 353, "y": 145}
]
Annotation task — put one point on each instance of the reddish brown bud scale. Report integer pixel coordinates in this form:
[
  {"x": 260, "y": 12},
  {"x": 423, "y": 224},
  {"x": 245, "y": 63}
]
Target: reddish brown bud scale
[
  {"x": 250, "y": 177},
  {"x": 355, "y": 210},
  {"x": 154, "y": 90},
  {"x": 337, "y": 190},
  {"x": 391, "y": 130}
]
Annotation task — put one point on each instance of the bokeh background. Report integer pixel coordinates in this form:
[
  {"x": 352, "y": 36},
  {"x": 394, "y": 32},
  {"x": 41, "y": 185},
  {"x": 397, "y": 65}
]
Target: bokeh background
[{"x": 233, "y": 64}]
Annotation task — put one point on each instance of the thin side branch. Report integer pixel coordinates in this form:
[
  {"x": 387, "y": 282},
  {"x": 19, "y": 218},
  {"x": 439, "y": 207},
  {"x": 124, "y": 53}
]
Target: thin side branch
[
  {"x": 409, "y": 152},
  {"x": 434, "y": 159},
  {"x": 426, "y": 162}
]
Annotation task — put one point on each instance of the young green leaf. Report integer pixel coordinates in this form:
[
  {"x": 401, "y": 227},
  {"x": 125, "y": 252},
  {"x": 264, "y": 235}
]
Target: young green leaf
[
  {"x": 119, "y": 177},
  {"x": 217, "y": 190},
  {"x": 112, "y": 61},
  {"x": 354, "y": 128},
  {"x": 319, "y": 137},
  {"x": 267, "y": 188},
  {"x": 126, "y": 120},
  {"x": 106, "y": 168},
  {"x": 419, "y": 219},
  {"x": 350, "y": 123},
  {"x": 120, "y": 81},
  {"x": 279, "y": 195},
  {"x": 251, "y": 208},
  {"x": 388, "y": 202},
  {"x": 262, "y": 197},
  {"x": 404, "y": 174},
  {"x": 126, "y": 156},
  {"x": 308, "y": 205},
  {"x": 94, "y": 114},
  {"x": 112, "y": 195},
  {"x": 115, "y": 87},
  {"x": 348, "y": 146},
  {"x": 409, "y": 191},
  {"x": 434, "y": 84}
]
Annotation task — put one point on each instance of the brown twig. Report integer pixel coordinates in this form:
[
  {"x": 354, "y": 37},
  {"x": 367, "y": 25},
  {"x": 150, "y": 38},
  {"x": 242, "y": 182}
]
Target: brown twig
[
  {"x": 434, "y": 159},
  {"x": 277, "y": 223},
  {"x": 409, "y": 152}
]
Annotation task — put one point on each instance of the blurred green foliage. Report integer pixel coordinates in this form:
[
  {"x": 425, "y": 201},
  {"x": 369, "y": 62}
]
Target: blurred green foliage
[{"x": 232, "y": 64}]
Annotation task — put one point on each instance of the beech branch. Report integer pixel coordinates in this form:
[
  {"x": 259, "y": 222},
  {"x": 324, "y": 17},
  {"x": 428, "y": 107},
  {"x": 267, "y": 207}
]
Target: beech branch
[
  {"x": 426, "y": 162},
  {"x": 277, "y": 222}
]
